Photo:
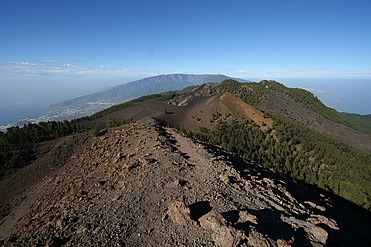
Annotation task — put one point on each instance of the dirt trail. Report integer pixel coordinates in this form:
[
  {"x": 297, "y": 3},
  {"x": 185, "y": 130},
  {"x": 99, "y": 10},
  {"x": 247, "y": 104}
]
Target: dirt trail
[
  {"x": 195, "y": 153},
  {"x": 144, "y": 185}
]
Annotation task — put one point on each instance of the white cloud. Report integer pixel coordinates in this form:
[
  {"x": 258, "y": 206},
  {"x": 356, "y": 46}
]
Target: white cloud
[
  {"x": 52, "y": 61},
  {"x": 59, "y": 69}
]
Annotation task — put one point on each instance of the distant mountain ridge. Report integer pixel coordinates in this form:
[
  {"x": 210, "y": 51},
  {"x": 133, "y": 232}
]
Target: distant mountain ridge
[
  {"x": 91, "y": 103},
  {"x": 146, "y": 86}
]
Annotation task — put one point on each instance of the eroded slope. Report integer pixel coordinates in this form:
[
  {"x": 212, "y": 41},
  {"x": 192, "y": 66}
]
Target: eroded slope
[{"x": 144, "y": 185}]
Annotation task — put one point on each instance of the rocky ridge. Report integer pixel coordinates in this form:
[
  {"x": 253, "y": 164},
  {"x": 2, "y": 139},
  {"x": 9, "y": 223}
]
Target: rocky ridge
[
  {"x": 89, "y": 104},
  {"x": 145, "y": 185}
]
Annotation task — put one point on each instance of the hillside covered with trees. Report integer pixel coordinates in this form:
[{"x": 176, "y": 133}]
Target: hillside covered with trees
[
  {"x": 290, "y": 147},
  {"x": 294, "y": 149}
]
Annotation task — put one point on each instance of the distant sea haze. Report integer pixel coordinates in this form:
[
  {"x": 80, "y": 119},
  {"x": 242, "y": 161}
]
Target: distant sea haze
[
  {"x": 21, "y": 99},
  {"x": 346, "y": 95},
  {"x": 13, "y": 113},
  {"x": 349, "y": 95}
]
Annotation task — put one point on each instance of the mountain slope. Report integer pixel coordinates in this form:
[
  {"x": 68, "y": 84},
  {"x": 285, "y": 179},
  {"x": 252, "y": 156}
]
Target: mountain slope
[
  {"x": 265, "y": 123},
  {"x": 89, "y": 104},
  {"x": 269, "y": 127},
  {"x": 145, "y": 185},
  {"x": 301, "y": 106}
]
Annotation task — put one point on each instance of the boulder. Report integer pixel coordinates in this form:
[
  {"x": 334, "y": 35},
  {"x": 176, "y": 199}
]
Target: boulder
[
  {"x": 223, "y": 235},
  {"x": 257, "y": 239},
  {"x": 245, "y": 216},
  {"x": 179, "y": 213},
  {"x": 319, "y": 234}
]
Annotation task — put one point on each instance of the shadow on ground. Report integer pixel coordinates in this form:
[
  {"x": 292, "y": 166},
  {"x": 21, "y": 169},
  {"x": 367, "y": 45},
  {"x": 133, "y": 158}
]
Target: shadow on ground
[{"x": 354, "y": 222}]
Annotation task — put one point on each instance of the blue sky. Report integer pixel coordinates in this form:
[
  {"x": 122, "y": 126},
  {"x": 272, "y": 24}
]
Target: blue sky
[
  {"x": 307, "y": 38},
  {"x": 50, "y": 46}
]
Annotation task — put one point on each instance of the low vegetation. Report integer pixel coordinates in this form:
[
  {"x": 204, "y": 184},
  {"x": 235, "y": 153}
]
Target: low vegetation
[
  {"x": 293, "y": 149},
  {"x": 299, "y": 153},
  {"x": 35, "y": 133},
  {"x": 16, "y": 144},
  {"x": 286, "y": 147},
  {"x": 253, "y": 92}
]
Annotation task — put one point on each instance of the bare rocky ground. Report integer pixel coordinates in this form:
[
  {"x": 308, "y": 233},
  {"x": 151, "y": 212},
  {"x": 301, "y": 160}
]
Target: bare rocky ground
[{"x": 144, "y": 185}]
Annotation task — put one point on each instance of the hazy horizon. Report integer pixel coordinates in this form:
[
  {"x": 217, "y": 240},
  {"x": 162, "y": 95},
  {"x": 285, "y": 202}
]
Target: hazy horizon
[{"x": 335, "y": 93}]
